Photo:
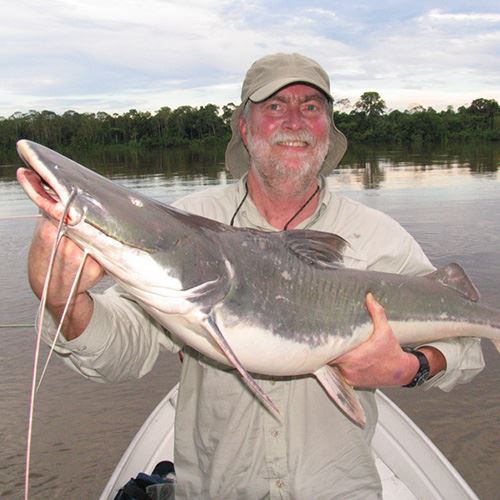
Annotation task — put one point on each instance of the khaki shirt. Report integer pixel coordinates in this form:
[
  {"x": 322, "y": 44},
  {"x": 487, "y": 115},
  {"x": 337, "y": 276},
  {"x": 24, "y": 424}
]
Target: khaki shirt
[{"x": 226, "y": 444}]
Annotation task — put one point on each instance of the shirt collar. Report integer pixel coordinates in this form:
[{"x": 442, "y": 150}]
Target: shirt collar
[{"x": 249, "y": 215}]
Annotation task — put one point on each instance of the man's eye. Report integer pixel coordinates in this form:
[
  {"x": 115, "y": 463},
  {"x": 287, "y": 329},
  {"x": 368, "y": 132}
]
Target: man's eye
[
  {"x": 274, "y": 106},
  {"x": 311, "y": 107}
]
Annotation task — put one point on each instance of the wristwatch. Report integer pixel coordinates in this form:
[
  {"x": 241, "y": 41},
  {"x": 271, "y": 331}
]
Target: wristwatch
[{"x": 423, "y": 371}]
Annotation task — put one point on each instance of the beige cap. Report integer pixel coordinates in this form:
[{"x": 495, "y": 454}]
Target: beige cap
[{"x": 264, "y": 78}]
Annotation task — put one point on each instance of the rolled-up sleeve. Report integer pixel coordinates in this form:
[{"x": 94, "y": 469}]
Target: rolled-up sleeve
[
  {"x": 464, "y": 360},
  {"x": 121, "y": 341}
]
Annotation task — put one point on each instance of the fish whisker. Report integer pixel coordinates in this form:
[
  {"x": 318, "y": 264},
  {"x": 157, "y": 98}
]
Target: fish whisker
[
  {"x": 39, "y": 326},
  {"x": 63, "y": 317}
]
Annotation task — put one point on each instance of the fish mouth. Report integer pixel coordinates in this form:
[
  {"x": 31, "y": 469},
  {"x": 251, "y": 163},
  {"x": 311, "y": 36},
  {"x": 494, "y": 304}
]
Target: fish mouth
[
  {"x": 43, "y": 187},
  {"x": 49, "y": 193}
]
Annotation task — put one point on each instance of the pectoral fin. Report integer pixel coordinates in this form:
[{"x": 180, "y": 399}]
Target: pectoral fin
[
  {"x": 342, "y": 393},
  {"x": 324, "y": 250},
  {"x": 218, "y": 337}
]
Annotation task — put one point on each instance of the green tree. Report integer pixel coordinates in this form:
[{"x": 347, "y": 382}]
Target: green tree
[
  {"x": 227, "y": 113},
  {"x": 161, "y": 120},
  {"x": 367, "y": 122},
  {"x": 371, "y": 104},
  {"x": 485, "y": 109}
]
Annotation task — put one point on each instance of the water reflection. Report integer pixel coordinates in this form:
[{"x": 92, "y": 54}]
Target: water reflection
[
  {"x": 170, "y": 174},
  {"x": 479, "y": 157}
]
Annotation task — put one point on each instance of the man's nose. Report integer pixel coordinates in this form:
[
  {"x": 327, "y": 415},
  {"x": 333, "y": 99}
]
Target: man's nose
[{"x": 293, "y": 119}]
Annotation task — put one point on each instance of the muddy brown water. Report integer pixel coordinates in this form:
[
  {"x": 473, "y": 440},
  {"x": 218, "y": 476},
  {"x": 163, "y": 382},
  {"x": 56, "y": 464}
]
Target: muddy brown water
[{"x": 450, "y": 203}]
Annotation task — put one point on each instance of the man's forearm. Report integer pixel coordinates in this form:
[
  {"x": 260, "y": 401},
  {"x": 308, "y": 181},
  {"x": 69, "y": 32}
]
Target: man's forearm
[
  {"x": 77, "y": 317},
  {"x": 436, "y": 359}
]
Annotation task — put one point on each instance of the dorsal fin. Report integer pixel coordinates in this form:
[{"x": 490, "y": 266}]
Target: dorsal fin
[
  {"x": 453, "y": 276},
  {"x": 316, "y": 247}
]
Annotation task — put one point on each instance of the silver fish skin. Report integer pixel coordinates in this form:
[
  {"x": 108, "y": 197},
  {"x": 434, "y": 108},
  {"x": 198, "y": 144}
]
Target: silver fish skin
[{"x": 277, "y": 304}]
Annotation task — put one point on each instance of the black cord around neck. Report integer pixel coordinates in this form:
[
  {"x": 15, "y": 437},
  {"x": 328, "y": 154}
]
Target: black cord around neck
[
  {"x": 290, "y": 220},
  {"x": 240, "y": 205},
  {"x": 301, "y": 208}
]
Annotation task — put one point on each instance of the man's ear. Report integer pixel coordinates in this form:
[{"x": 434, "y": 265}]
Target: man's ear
[{"x": 243, "y": 127}]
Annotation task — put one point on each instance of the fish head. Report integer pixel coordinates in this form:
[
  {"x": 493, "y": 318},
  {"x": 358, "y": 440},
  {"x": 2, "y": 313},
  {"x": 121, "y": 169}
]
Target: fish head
[
  {"x": 135, "y": 238},
  {"x": 43, "y": 183}
]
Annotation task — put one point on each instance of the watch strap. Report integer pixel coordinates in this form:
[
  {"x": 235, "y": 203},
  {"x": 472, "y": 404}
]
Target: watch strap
[{"x": 423, "y": 370}]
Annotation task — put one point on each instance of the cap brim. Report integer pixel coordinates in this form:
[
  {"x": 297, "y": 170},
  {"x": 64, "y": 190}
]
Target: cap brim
[{"x": 273, "y": 87}]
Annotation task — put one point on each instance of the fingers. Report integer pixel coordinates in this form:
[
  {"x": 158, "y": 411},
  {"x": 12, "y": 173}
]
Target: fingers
[
  {"x": 376, "y": 312},
  {"x": 67, "y": 261},
  {"x": 31, "y": 182}
]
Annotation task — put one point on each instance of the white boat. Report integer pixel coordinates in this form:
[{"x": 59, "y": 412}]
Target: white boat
[{"x": 410, "y": 466}]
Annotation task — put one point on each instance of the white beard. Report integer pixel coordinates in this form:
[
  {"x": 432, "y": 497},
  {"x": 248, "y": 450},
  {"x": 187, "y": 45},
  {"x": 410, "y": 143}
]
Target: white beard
[{"x": 272, "y": 167}]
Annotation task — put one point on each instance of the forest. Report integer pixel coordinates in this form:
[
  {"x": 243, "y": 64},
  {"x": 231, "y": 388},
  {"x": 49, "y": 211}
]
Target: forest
[{"x": 366, "y": 121}]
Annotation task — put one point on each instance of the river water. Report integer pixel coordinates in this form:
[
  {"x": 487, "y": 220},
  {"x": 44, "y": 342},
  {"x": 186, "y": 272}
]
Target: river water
[{"x": 450, "y": 202}]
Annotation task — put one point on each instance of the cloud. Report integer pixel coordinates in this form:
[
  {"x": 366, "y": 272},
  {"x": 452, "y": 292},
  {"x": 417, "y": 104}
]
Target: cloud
[
  {"x": 114, "y": 55},
  {"x": 420, "y": 54},
  {"x": 436, "y": 15}
]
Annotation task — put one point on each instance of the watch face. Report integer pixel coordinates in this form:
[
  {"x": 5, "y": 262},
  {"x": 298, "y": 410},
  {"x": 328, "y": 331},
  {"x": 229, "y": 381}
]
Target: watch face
[{"x": 422, "y": 375}]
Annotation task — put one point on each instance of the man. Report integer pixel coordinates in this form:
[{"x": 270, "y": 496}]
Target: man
[{"x": 227, "y": 444}]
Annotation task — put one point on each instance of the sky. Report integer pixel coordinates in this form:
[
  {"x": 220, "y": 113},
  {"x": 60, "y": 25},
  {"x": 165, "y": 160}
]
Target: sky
[{"x": 116, "y": 55}]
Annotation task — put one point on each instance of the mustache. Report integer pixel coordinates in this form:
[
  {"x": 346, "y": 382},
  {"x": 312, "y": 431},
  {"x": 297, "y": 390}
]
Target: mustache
[{"x": 301, "y": 136}]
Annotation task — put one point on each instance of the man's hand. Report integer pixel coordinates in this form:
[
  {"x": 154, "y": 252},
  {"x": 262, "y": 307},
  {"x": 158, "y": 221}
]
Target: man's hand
[
  {"x": 68, "y": 259},
  {"x": 380, "y": 360}
]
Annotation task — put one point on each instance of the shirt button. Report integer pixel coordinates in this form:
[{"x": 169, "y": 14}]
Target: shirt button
[
  {"x": 273, "y": 382},
  {"x": 280, "y": 483},
  {"x": 274, "y": 433}
]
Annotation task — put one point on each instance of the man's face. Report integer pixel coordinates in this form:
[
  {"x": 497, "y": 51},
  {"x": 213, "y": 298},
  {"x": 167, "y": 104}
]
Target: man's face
[{"x": 288, "y": 134}]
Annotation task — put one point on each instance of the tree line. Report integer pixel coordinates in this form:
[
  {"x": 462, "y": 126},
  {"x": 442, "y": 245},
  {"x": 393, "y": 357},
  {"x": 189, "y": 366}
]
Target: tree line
[
  {"x": 366, "y": 121},
  {"x": 370, "y": 121}
]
